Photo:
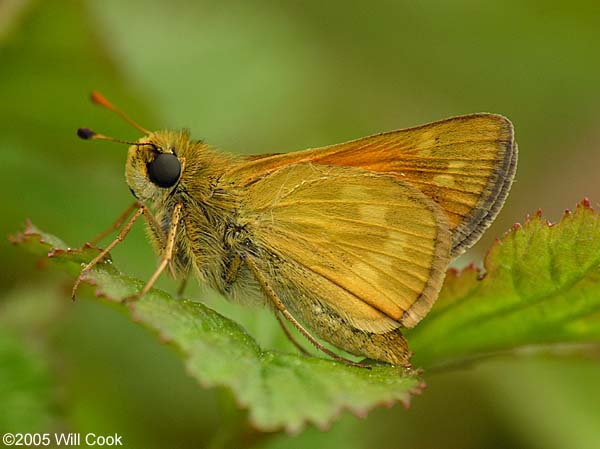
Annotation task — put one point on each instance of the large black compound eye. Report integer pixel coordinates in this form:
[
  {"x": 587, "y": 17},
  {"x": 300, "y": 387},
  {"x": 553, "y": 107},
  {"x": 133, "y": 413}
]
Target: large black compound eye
[{"x": 164, "y": 170}]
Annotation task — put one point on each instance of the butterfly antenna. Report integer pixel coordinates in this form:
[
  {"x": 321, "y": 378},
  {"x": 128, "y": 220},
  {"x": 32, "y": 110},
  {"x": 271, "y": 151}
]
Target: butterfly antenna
[
  {"x": 99, "y": 99},
  {"x": 88, "y": 134}
]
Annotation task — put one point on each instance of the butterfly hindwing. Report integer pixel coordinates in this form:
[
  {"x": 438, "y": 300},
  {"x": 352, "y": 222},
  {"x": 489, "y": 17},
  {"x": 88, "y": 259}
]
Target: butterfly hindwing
[{"x": 369, "y": 246}]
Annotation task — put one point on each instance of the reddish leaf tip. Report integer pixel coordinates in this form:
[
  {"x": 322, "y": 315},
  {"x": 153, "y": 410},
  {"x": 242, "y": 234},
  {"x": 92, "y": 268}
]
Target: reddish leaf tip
[
  {"x": 360, "y": 413},
  {"x": 585, "y": 204}
]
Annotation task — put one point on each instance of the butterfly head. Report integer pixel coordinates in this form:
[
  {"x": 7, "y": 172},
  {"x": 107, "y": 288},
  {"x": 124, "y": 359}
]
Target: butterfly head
[{"x": 154, "y": 162}]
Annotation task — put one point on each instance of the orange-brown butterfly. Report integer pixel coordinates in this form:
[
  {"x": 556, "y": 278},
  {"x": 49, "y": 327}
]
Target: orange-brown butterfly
[{"x": 351, "y": 240}]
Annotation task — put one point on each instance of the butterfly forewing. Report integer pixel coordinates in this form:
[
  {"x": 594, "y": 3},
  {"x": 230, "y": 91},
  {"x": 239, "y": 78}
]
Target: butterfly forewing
[
  {"x": 465, "y": 164},
  {"x": 370, "y": 246}
]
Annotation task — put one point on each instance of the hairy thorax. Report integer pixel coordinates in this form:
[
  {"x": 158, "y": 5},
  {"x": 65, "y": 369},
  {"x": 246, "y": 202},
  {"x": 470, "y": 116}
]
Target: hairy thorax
[{"x": 211, "y": 239}]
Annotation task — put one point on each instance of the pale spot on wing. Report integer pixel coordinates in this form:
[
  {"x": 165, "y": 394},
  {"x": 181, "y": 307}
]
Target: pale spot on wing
[
  {"x": 427, "y": 141},
  {"x": 365, "y": 270},
  {"x": 456, "y": 165},
  {"x": 373, "y": 213},
  {"x": 352, "y": 191},
  {"x": 444, "y": 180},
  {"x": 396, "y": 243}
]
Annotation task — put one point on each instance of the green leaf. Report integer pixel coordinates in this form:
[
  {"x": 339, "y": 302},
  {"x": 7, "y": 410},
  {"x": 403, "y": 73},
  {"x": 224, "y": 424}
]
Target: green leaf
[
  {"x": 25, "y": 387},
  {"x": 541, "y": 287},
  {"x": 280, "y": 390}
]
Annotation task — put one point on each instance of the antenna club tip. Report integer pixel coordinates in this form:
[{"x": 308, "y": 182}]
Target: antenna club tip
[
  {"x": 98, "y": 98},
  {"x": 85, "y": 133}
]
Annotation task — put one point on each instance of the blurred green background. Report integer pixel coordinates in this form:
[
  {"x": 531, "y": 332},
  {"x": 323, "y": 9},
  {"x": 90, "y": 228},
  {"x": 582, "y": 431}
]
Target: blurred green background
[{"x": 265, "y": 76}]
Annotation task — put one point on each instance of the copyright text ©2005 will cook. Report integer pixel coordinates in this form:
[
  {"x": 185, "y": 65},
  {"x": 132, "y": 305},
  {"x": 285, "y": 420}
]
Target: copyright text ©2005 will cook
[{"x": 61, "y": 439}]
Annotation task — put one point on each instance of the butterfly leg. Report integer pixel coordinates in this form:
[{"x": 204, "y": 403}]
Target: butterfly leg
[
  {"x": 117, "y": 224},
  {"x": 167, "y": 256},
  {"x": 158, "y": 233},
  {"x": 268, "y": 290},
  {"x": 182, "y": 285},
  {"x": 155, "y": 227},
  {"x": 105, "y": 251},
  {"x": 233, "y": 270},
  {"x": 289, "y": 335},
  {"x": 232, "y": 274}
]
